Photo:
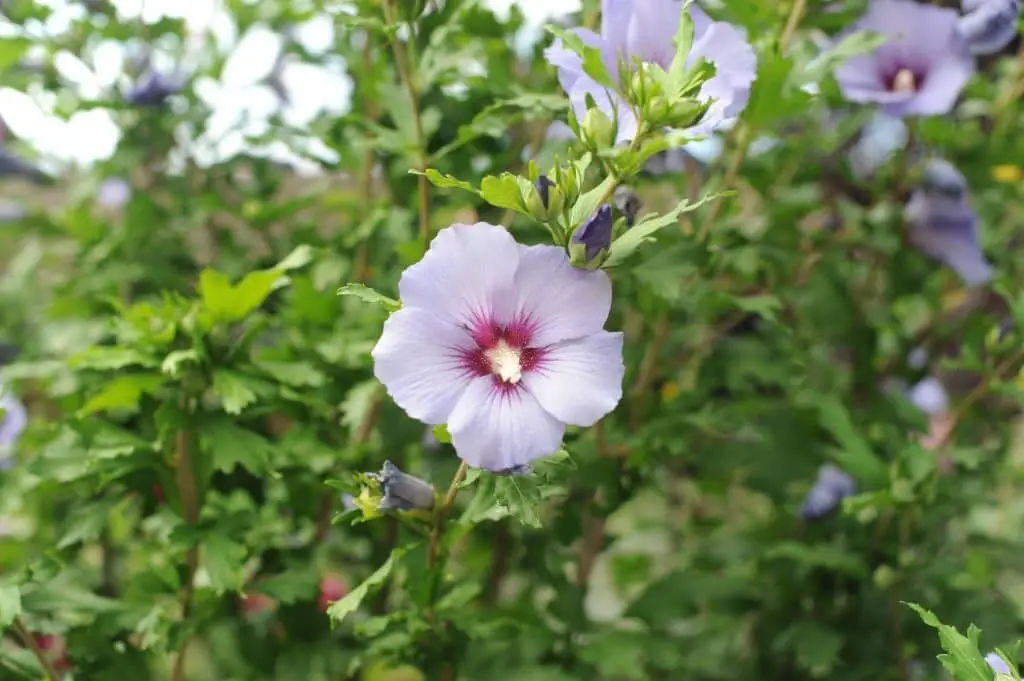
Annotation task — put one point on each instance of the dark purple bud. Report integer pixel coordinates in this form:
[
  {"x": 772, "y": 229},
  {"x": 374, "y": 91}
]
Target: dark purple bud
[
  {"x": 628, "y": 203},
  {"x": 542, "y": 185},
  {"x": 592, "y": 239},
  {"x": 403, "y": 492}
]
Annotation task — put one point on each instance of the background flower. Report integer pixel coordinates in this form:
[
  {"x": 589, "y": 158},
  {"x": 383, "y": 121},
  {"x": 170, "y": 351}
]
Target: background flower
[
  {"x": 921, "y": 68},
  {"x": 634, "y": 30}
]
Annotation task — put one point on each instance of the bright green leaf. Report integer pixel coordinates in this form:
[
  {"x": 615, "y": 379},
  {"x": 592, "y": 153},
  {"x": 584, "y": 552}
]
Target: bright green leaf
[
  {"x": 643, "y": 231},
  {"x": 341, "y": 609},
  {"x": 234, "y": 394},
  {"x": 368, "y": 295},
  {"x": 10, "y": 604},
  {"x": 224, "y": 561}
]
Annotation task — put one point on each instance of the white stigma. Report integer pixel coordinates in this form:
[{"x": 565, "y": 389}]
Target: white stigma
[
  {"x": 904, "y": 81},
  {"x": 505, "y": 362}
]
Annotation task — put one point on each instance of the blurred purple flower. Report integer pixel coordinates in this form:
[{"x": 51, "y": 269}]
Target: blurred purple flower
[
  {"x": 13, "y": 420},
  {"x": 502, "y": 342},
  {"x": 644, "y": 30},
  {"x": 930, "y": 396},
  {"x": 988, "y": 25},
  {"x": 998, "y": 664},
  {"x": 154, "y": 88},
  {"x": 830, "y": 488},
  {"x": 919, "y": 71},
  {"x": 114, "y": 192},
  {"x": 944, "y": 226}
]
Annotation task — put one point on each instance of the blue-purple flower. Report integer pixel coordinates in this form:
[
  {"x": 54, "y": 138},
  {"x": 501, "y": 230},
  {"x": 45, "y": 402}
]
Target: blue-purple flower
[
  {"x": 997, "y": 664},
  {"x": 988, "y": 26},
  {"x": 13, "y": 419},
  {"x": 944, "y": 226},
  {"x": 644, "y": 30},
  {"x": 830, "y": 488},
  {"x": 921, "y": 68},
  {"x": 155, "y": 88},
  {"x": 504, "y": 343}
]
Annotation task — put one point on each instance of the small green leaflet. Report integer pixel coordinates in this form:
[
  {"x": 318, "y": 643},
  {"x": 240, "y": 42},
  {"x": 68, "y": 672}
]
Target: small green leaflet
[
  {"x": 10, "y": 605},
  {"x": 624, "y": 246},
  {"x": 339, "y": 610},
  {"x": 962, "y": 658},
  {"x": 593, "y": 64},
  {"x": 368, "y": 295}
]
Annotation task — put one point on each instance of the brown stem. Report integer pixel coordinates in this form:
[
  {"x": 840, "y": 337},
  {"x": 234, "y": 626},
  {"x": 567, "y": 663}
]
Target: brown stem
[
  {"x": 405, "y": 73},
  {"x": 442, "y": 514},
  {"x": 30, "y": 642},
  {"x": 590, "y": 546},
  {"x": 361, "y": 268},
  {"x": 188, "y": 491},
  {"x": 646, "y": 372}
]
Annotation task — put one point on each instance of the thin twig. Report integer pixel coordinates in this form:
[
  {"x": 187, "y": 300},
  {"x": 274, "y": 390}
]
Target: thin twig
[
  {"x": 405, "y": 73},
  {"x": 442, "y": 513},
  {"x": 32, "y": 644},
  {"x": 187, "y": 490}
]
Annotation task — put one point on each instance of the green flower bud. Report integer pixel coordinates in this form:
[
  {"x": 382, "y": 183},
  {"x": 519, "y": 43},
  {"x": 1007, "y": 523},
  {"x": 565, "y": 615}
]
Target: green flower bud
[{"x": 597, "y": 130}]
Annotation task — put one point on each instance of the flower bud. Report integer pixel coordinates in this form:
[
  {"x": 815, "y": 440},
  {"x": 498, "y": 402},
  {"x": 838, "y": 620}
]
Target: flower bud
[
  {"x": 628, "y": 203},
  {"x": 545, "y": 201},
  {"x": 589, "y": 246},
  {"x": 831, "y": 487},
  {"x": 403, "y": 492},
  {"x": 597, "y": 130},
  {"x": 686, "y": 113}
]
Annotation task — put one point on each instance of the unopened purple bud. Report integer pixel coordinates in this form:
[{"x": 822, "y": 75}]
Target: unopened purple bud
[
  {"x": 590, "y": 243},
  {"x": 403, "y": 492},
  {"x": 515, "y": 471},
  {"x": 542, "y": 185}
]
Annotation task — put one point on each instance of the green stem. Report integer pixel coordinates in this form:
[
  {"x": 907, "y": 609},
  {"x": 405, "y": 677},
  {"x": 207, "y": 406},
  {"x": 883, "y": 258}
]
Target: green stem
[
  {"x": 442, "y": 514},
  {"x": 188, "y": 492}
]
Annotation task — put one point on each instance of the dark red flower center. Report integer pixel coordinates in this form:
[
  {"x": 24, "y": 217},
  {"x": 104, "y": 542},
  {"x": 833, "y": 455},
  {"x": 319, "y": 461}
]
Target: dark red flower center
[{"x": 503, "y": 352}]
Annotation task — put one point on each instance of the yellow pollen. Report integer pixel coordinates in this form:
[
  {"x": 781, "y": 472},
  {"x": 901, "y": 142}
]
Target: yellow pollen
[
  {"x": 505, "y": 362},
  {"x": 904, "y": 81}
]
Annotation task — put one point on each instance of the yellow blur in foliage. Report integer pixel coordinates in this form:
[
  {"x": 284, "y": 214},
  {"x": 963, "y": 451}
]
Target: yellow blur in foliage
[{"x": 1007, "y": 173}]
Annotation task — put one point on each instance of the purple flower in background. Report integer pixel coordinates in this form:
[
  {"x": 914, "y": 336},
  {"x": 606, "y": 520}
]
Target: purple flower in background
[
  {"x": 997, "y": 664},
  {"x": 154, "y": 88},
  {"x": 644, "y": 30},
  {"x": 988, "y": 26},
  {"x": 944, "y": 226},
  {"x": 830, "y": 488},
  {"x": 13, "y": 419},
  {"x": 503, "y": 342},
  {"x": 921, "y": 68},
  {"x": 930, "y": 396},
  {"x": 114, "y": 192}
]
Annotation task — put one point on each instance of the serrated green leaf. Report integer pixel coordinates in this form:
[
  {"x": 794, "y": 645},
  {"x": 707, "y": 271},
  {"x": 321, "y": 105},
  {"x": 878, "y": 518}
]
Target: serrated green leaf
[
  {"x": 10, "y": 604},
  {"x": 368, "y": 295},
  {"x": 445, "y": 181},
  {"x": 224, "y": 562},
  {"x": 340, "y": 610},
  {"x": 232, "y": 390},
  {"x": 229, "y": 303},
  {"x": 643, "y": 231},
  {"x": 121, "y": 393},
  {"x": 229, "y": 445},
  {"x": 963, "y": 659},
  {"x": 589, "y": 202},
  {"x": 502, "y": 191}
]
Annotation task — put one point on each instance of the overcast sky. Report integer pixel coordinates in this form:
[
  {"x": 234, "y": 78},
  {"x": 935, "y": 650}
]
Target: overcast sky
[{"x": 238, "y": 96}]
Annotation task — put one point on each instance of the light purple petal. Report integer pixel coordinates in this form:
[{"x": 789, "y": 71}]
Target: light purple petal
[
  {"x": 652, "y": 26},
  {"x": 929, "y": 395},
  {"x": 580, "y": 381},
  {"x": 948, "y": 231},
  {"x": 998, "y": 664},
  {"x": 466, "y": 274},
  {"x": 942, "y": 86},
  {"x": 496, "y": 430},
  {"x": 990, "y": 27},
  {"x": 615, "y": 17},
  {"x": 735, "y": 62},
  {"x": 568, "y": 63},
  {"x": 12, "y": 422},
  {"x": 560, "y": 301},
  {"x": 417, "y": 359}
]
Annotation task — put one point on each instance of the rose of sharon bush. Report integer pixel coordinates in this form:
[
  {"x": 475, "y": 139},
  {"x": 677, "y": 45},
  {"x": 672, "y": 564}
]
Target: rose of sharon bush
[
  {"x": 921, "y": 68},
  {"x": 644, "y": 31},
  {"x": 504, "y": 343}
]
